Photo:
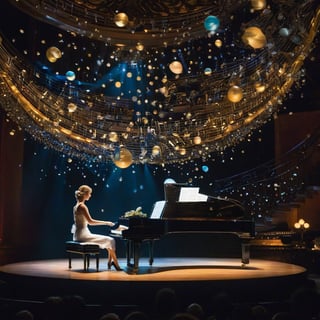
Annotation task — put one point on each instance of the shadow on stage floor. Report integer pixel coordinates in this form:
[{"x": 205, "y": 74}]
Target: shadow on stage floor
[{"x": 194, "y": 279}]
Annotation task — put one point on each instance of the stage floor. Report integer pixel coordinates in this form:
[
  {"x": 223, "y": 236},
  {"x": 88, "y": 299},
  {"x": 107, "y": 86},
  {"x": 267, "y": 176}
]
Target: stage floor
[
  {"x": 195, "y": 278},
  {"x": 165, "y": 269}
]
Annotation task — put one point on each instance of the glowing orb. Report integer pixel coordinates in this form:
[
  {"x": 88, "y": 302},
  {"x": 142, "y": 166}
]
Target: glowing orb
[
  {"x": 260, "y": 87},
  {"x": 205, "y": 168},
  {"x": 235, "y": 94},
  {"x": 156, "y": 150},
  {"x": 211, "y": 23},
  {"x": 169, "y": 181},
  {"x": 118, "y": 84},
  {"x": 258, "y": 4},
  {"x": 284, "y": 32},
  {"x": 207, "y": 71},
  {"x": 176, "y": 67},
  {"x": 72, "y": 107},
  {"x": 70, "y": 75},
  {"x": 218, "y": 43},
  {"x": 113, "y": 136},
  {"x": 182, "y": 151},
  {"x": 254, "y": 37},
  {"x": 197, "y": 140},
  {"x": 121, "y": 19},
  {"x": 53, "y": 54},
  {"x": 123, "y": 158},
  {"x": 139, "y": 46}
]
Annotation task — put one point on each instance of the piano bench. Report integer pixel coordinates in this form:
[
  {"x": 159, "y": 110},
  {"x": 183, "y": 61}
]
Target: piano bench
[{"x": 86, "y": 249}]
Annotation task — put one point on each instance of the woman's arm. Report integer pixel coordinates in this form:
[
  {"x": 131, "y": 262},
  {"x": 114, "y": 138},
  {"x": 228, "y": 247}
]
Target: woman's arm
[{"x": 92, "y": 221}]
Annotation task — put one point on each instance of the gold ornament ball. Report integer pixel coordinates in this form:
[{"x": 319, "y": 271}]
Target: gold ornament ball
[
  {"x": 139, "y": 46},
  {"x": 123, "y": 159},
  {"x": 113, "y": 136},
  {"x": 260, "y": 87},
  {"x": 156, "y": 150},
  {"x": 121, "y": 19},
  {"x": 254, "y": 37},
  {"x": 182, "y": 151},
  {"x": 235, "y": 94},
  {"x": 72, "y": 107},
  {"x": 258, "y": 4},
  {"x": 218, "y": 43},
  {"x": 53, "y": 54},
  {"x": 176, "y": 67},
  {"x": 197, "y": 140}
]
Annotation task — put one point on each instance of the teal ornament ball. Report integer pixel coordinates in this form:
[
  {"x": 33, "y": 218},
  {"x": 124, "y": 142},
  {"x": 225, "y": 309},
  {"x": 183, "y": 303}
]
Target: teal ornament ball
[
  {"x": 211, "y": 23},
  {"x": 70, "y": 75}
]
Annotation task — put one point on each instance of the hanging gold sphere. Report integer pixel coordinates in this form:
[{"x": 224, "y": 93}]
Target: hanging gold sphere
[
  {"x": 53, "y": 54},
  {"x": 197, "y": 140},
  {"x": 176, "y": 67},
  {"x": 139, "y": 46},
  {"x": 218, "y": 43},
  {"x": 121, "y": 19},
  {"x": 235, "y": 94},
  {"x": 260, "y": 87},
  {"x": 113, "y": 136},
  {"x": 258, "y": 4},
  {"x": 156, "y": 150},
  {"x": 123, "y": 158},
  {"x": 254, "y": 37},
  {"x": 72, "y": 107},
  {"x": 182, "y": 151}
]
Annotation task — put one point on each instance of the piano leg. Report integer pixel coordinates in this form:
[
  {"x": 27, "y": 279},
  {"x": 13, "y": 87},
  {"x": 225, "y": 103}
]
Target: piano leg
[
  {"x": 129, "y": 252},
  {"x": 136, "y": 254},
  {"x": 245, "y": 250},
  {"x": 151, "y": 245},
  {"x": 133, "y": 252}
]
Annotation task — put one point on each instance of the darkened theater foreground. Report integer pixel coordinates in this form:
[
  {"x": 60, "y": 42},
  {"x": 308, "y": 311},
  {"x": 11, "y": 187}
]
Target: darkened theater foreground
[{"x": 159, "y": 160}]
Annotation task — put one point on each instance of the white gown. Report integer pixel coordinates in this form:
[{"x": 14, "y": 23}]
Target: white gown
[{"x": 82, "y": 233}]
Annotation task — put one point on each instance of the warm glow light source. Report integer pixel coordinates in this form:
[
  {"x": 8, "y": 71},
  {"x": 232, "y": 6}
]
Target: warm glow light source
[
  {"x": 297, "y": 225},
  {"x": 218, "y": 43},
  {"x": 197, "y": 140},
  {"x": 113, "y": 136},
  {"x": 121, "y": 19},
  {"x": 260, "y": 87},
  {"x": 70, "y": 75},
  {"x": 123, "y": 158},
  {"x": 72, "y": 107},
  {"x": 139, "y": 46},
  {"x": 235, "y": 94},
  {"x": 302, "y": 224},
  {"x": 156, "y": 150},
  {"x": 53, "y": 54},
  {"x": 176, "y": 67},
  {"x": 258, "y": 4},
  {"x": 254, "y": 37}
]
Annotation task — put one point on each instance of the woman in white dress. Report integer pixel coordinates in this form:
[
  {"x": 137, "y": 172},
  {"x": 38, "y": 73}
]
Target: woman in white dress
[{"x": 81, "y": 232}]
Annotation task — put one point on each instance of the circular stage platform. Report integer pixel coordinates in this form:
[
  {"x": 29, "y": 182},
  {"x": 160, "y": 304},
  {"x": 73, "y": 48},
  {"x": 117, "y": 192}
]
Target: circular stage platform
[{"x": 194, "y": 279}]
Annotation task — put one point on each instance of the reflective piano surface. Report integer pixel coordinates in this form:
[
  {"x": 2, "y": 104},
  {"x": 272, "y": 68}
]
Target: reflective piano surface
[{"x": 185, "y": 210}]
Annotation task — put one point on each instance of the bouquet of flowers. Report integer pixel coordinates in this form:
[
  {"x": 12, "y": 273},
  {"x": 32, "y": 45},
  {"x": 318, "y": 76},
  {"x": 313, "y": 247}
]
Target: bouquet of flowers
[{"x": 135, "y": 213}]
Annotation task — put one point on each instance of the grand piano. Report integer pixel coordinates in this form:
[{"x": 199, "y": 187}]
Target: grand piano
[{"x": 185, "y": 210}]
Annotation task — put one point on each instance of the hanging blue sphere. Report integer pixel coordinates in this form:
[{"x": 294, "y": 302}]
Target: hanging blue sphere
[
  {"x": 70, "y": 75},
  {"x": 211, "y": 23},
  {"x": 205, "y": 168}
]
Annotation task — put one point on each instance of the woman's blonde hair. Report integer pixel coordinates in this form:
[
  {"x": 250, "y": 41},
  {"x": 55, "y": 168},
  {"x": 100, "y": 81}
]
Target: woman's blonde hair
[{"x": 82, "y": 191}]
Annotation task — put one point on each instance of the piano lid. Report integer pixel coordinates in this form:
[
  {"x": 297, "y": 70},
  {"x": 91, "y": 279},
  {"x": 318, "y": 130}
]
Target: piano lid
[{"x": 185, "y": 202}]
